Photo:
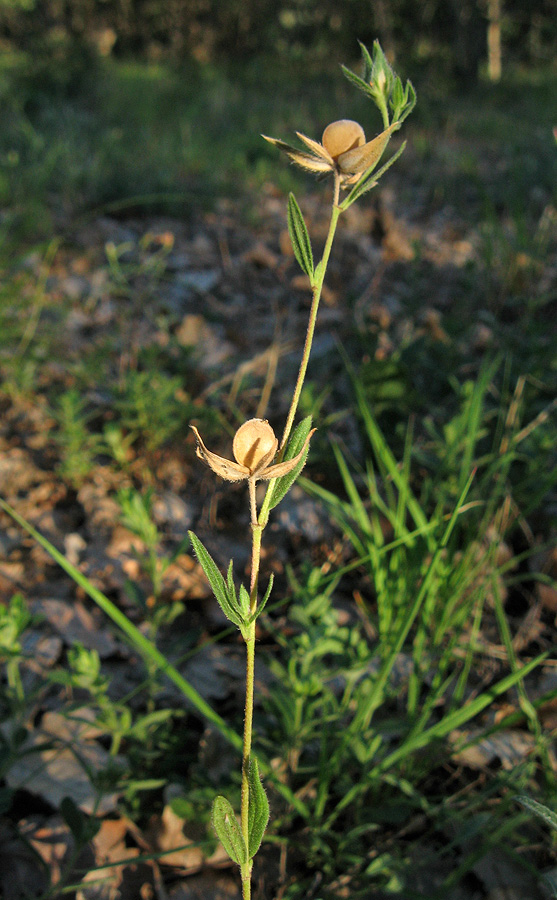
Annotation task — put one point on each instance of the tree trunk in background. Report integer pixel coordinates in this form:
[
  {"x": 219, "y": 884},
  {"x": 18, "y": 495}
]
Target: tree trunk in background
[
  {"x": 467, "y": 38},
  {"x": 494, "y": 40}
]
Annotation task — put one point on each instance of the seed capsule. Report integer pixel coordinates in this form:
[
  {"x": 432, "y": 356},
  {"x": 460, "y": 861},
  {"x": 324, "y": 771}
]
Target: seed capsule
[{"x": 341, "y": 136}]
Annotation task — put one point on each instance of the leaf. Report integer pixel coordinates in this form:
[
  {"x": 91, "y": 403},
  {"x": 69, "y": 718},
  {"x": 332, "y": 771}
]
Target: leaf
[
  {"x": 74, "y": 819},
  {"x": 230, "y": 589},
  {"x": 297, "y": 441},
  {"x": 357, "y": 81},
  {"x": 244, "y": 601},
  {"x": 367, "y": 61},
  {"x": 397, "y": 98},
  {"x": 538, "y": 809},
  {"x": 216, "y": 581},
  {"x": 299, "y": 236},
  {"x": 228, "y": 831},
  {"x": 258, "y": 812},
  {"x": 410, "y": 99},
  {"x": 263, "y": 603}
]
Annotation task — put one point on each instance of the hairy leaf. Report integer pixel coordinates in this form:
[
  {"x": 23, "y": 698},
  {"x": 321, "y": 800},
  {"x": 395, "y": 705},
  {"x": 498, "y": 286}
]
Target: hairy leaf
[
  {"x": 263, "y": 603},
  {"x": 215, "y": 579},
  {"x": 228, "y": 831},
  {"x": 297, "y": 440},
  {"x": 299, "y": 236},
  {"x": 258, "y": 813}
]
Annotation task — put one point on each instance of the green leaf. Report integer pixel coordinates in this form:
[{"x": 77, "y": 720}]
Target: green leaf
[
  {"x": 244, "y": 601},
  {"x": 258, "y": 812},
  {"x": 367, "y": 60},
  {"x": 397, "y": 98},
  {"x": 538, "y": 809},
  {"x": 228, "y": 831},
  {"x": 74, "y": 818},
  {"x": 82, "y": 827},
  {"x": 358, "y": 82},
  {"x": 299, "y": 236},
  {"x": 297, "y": 440},
  {"x": 410, "y": 99},
  {"x": 230, "y": 589},
  {"x": 217, "y": 582},
  {"x": 263, "y": 603},
  {"x": 318, "y": 272}
]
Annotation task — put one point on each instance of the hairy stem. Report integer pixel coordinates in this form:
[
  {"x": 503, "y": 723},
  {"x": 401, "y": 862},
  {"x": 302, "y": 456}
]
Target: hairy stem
[
  {"x": 256, "y": 532},
  {"x": 248, "y": 725},
  {"x": 317, "y": 289},
  {"x": 259, "y": 523}
]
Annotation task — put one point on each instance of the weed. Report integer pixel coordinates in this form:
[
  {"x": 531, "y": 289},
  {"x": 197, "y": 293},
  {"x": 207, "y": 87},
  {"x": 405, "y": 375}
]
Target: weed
[
  {"x": 137, "y": 516},
  {"x": 78, "y": 446},
  {"x": 151, "y": 408}
]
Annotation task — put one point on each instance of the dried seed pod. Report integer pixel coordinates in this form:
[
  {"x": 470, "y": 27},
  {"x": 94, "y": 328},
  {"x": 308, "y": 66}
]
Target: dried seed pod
[
  {"x": 255, "y": 444},
  {"x": 341, "y": 136},
  {"x": 343, "y": 150},
  {"x": 254, "y": 448}
]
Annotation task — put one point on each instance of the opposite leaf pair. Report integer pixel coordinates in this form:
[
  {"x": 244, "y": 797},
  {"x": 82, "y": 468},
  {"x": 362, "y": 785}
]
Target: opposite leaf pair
[{"x": 226, "y": 824}]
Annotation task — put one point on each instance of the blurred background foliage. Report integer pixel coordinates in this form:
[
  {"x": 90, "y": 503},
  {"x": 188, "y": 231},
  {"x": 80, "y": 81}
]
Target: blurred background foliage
[
  {"x": 158, "y": 105},
  {"x": 451, "y": 35}
]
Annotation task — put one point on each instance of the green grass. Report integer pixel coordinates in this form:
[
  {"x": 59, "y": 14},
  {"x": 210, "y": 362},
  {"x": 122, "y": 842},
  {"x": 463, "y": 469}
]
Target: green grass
[{"x": 195, "y": 133}]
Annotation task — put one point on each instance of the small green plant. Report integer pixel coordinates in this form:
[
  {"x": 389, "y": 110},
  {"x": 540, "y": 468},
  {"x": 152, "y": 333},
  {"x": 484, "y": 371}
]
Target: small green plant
[
  {"x": 352, "y": 162},
  {"x": 137, "y": 517},
  {"x": 151, "y": 408},
  {"x": 15, "y": 617},
  {"x": 77, "y": 444}
]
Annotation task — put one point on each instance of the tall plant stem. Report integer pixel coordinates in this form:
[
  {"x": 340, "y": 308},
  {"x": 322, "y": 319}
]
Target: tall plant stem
[
  {"x": 259, "y": 523},
  {"x": 317, "y": 289},
  {"x": 248, "y": 725},
  {"x": 256, "y": 533}
]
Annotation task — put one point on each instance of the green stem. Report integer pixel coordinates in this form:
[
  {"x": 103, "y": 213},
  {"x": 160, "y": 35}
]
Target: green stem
[
  {"x": 257, "y": 526},
  {"x": 317, "y": 289},
  {"x": 256, "y": 533},
  {"x": 248, "y": 726}
]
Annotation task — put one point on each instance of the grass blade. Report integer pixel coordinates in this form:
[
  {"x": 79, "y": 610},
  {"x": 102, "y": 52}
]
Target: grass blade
[{"x": 149, "y": 651}]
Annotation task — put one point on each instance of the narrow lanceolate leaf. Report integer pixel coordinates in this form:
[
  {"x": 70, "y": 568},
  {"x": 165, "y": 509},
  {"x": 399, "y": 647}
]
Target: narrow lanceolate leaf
[
  {"x": 357, "y": 81},
  {"x": 283, "y": 484},
  {"x": 539, "y": 809},
  {"x": 367, "y": 60},
  {"x": 228, "y": 831},
  {"x": 410, "y": 99},
  {"x": 244, "y": 601},
  {"x": 258, "y": 813},
  {"x": 216, "y": 581},
  {"x": 299, "y": 236},
  {"x": 263, "y": 603}
]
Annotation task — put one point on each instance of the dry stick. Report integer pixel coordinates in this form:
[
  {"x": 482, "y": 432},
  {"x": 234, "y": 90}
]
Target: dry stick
[{"x": 257, "y": 526}]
